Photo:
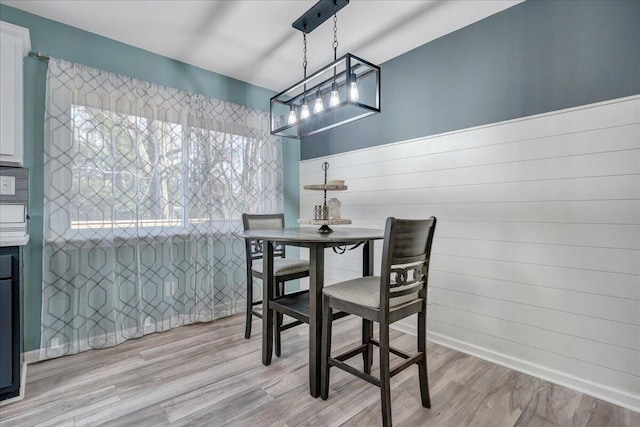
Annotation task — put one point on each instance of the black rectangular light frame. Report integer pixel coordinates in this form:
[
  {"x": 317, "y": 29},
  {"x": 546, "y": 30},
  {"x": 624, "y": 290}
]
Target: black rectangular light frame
[{"x": 366, "y": 110}]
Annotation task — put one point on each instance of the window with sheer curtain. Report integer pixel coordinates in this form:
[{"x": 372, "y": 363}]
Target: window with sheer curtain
[{"x": 144, "y": 189}]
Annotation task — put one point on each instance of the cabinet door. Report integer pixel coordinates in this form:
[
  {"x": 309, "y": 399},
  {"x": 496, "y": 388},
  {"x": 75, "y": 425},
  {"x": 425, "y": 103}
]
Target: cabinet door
[
  {"x": 8, "y": 94},
  {"x": 14, "y": 45},
  {"x": 6, "y": 337}
]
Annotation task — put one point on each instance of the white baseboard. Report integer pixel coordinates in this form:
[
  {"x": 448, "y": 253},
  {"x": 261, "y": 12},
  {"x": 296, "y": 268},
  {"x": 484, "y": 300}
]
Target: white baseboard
[
  {"x": 32, "y": 356},
  {"x": 617, "y": 397}
]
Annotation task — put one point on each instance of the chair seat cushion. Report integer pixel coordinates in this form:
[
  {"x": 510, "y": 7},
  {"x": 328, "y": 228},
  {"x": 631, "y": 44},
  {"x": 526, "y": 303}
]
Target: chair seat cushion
[
  {"x": 284, "y": 266},
  {"x": 364, "y": 291}
]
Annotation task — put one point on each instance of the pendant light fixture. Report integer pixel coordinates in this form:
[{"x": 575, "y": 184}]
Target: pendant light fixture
[
  {"x": 342, "y": 91},
  {"x": 318, "y": 107},
  {"x": 304, "y": 110}
]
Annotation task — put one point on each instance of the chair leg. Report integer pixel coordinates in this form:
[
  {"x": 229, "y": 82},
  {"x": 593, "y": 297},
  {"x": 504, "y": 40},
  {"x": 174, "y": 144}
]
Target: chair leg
[
  {"x": 385, "y": 377},
  {"x": 278, "y": 341},
  {"x": 367, "y": 334},
  {"x": 422, "y": 364},
  {"x": 279, "y": 291},
  {"x": 247, "y": 326},
  {"x": 325, "y": 349}
]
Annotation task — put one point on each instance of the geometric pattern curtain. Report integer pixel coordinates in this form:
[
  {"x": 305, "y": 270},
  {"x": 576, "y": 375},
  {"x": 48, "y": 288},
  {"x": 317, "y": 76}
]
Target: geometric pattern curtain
[{"x": 144, "y": 190}]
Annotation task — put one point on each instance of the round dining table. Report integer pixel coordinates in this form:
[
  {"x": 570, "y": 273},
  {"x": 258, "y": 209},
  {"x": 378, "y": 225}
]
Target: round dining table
[{"x": 348, "y": 238}]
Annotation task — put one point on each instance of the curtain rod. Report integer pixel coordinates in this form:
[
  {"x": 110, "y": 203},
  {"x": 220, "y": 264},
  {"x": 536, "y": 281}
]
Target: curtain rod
[{"x": 39, "y": 55}]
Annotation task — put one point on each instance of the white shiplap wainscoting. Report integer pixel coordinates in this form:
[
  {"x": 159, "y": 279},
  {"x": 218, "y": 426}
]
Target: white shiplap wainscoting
[{"x": 536, "y": 260}]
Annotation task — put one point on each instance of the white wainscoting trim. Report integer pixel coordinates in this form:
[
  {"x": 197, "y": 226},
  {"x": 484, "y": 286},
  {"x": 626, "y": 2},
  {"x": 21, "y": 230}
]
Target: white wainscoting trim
[
  {"x": 535, "y": 262},
  {"x": 617, "y": 397}
]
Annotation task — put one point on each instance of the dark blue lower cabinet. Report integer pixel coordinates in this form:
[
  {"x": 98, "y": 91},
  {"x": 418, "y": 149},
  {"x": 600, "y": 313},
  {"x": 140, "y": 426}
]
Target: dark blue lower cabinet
[{"x": 9, "y": 323}]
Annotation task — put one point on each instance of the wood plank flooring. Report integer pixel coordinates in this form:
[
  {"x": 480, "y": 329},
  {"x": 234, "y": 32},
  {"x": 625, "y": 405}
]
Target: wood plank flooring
[{"x": 209, "y": 375}]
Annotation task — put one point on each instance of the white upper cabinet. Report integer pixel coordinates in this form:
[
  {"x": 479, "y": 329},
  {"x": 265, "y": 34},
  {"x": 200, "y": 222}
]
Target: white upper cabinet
[{"x": 15, "y": 44}]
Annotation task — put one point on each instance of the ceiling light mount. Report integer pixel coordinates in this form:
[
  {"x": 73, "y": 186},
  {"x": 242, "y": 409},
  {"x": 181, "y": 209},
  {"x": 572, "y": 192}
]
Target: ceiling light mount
[
  {"x": 345, "y": 90},
  {"x": 318, "y": 13}
]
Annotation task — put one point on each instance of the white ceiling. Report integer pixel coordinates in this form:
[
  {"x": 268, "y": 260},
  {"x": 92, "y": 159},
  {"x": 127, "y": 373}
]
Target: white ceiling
[{"x": 253, "y": 40}]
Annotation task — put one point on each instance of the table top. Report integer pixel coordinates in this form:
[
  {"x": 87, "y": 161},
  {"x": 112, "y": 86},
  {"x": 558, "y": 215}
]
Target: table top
[
  {"x": 341, "y": 221},
  {"x": 309, "y": 234}
]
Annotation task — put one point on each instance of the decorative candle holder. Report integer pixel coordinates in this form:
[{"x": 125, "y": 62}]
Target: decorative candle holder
[{"x": 321, "y": 212}]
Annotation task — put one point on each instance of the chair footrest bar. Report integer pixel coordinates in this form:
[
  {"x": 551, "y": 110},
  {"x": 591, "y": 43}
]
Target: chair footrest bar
[
  {"x": 404, "y": 365},
  {"x": 353, "y": 352},
  {"x": 340, "y": 314},
  {"x": 290, "y": 325},
  {"x": 392, "y": 349},
  {"x": 258, "y": 314},
  {"x": 369, "y": 378}
]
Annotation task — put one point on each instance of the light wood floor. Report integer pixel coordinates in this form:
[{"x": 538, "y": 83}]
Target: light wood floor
[{"x": 208, "y": 374}]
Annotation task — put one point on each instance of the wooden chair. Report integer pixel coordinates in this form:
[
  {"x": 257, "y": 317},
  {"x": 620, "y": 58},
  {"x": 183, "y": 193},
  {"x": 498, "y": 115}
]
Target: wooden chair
[
  {"x": 400, "y": 291},
  {"x": 284, "y": 269}
]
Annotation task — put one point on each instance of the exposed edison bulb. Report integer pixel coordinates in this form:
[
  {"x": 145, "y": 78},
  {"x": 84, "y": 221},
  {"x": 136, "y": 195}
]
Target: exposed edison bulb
[
  {"x": 318, "y": 107},
  {"x": 353, "y": 89},
  {"x": 292, "y": 116},
  {"x": 304, "y": 111},
  {"x": 335, "y": 98}
]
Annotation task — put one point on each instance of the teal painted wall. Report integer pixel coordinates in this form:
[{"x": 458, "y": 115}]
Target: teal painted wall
[
  {"x": 75, "y": 45},
  {"x": 534, "y": 57}
]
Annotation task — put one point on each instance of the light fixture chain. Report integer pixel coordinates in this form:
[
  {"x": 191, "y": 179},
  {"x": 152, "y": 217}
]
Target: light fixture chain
[
  {"x": 304, "y": 52},
  {"x": 335, "y": 31}
]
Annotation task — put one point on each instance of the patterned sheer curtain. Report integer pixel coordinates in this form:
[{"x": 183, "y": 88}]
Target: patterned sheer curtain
[{"x": 144, "y": 190}]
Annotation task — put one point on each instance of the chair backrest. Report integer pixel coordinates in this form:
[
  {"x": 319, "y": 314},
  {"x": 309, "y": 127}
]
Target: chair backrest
[
  {"x": 405, "y": 260},
  {"x": 253, "y": 247}
]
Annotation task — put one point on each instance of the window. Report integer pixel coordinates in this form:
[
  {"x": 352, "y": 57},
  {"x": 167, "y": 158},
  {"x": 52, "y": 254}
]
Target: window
[
  {"x": 127, "y": 171},
  {"x": 131, "y": 171},
  {"x": 122, "y": 158}
]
